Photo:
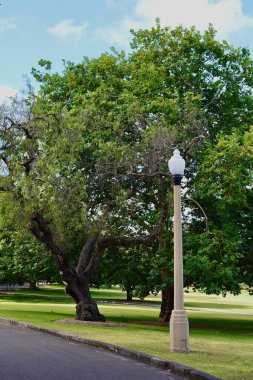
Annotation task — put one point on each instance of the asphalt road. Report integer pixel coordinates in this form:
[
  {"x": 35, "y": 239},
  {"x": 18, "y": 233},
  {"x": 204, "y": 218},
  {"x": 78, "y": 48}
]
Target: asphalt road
[{"x": 30, "y": 355}]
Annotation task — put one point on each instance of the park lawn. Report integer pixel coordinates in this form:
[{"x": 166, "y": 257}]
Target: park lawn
[
  {"x": 242, "y": 304},
  {"x": 221, "y": 344}
]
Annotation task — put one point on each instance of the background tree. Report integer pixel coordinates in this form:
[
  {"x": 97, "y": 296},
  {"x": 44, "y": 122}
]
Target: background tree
[
  {"x": 22, "y": 257},
  {"x": 129, "y": 268},
  {"x": 222, "y": 254}
]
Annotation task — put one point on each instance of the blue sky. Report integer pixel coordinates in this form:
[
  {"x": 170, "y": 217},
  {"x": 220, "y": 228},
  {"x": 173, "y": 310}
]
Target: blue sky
[{"x": 70, "y": 29}]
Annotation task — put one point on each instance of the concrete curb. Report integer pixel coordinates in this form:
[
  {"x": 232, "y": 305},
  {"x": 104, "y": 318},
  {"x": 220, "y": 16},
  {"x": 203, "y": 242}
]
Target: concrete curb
[{"x": 187, "y": 373}]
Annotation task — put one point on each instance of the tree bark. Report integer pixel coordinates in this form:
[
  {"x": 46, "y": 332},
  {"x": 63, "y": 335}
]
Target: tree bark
[
  {"x": 86, "y": 307},
  {"x": 129, "y": 294},
  {"x": 167, "y": 304},
  {"x": 33, "y": 285},
  {"x": 78, "y": 288}
]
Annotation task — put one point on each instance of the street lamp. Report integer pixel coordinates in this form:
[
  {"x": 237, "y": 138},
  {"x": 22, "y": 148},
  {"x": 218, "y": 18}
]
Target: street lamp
[{"x": 179, "y": 325}]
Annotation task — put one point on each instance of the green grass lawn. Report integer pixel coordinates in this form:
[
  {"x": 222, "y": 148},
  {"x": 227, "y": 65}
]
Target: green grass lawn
[{"x": 221, "y": 343}]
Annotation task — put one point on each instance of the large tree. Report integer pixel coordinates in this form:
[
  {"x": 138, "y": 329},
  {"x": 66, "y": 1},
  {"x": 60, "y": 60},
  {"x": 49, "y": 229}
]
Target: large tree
[{"x": 85, "y": 160}]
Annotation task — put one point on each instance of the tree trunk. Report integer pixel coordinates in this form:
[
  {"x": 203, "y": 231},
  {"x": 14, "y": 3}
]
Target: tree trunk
[
  {"x": 33, "y": 285},
  {"x": 129, "y": 294},
  {"x": 77, "y": 281},
  {"x": 167, "y": 304},
  {"x": 88, "y": 311},
  {"x": 86, "y": 307}
]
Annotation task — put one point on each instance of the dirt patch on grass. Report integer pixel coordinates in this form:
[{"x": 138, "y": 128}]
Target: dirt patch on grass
[
  {"x": 70, "y": 321},
  {"x": 166, "y": 324},
  {"x": 151, "y": 323}
]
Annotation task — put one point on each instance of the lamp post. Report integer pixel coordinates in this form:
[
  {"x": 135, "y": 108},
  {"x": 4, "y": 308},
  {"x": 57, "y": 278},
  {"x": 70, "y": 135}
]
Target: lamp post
[{"x": 179, "y": 325}]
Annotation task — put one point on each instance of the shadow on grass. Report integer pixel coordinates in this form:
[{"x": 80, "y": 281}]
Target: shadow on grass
[
  {"x": 55, "y": 293},
  {"x": 206, "y": 325},
  {"x": 40, "y": 291},
  {"x": 24, "y": 298},
  {"x": 211, "y": 305},
  {"x": 226, "y": 324}
]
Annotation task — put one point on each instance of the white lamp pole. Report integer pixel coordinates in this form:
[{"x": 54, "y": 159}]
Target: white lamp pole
[{"x": 179, "y": 325}]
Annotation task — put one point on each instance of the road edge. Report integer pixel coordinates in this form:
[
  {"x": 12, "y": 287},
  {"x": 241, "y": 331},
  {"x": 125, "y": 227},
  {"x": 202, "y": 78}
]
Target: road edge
[{"x": 186, "y": 372}]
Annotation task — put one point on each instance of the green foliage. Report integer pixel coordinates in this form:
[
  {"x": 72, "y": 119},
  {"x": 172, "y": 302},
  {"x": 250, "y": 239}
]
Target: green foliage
[
  {"x": 223, "y": 185},
  {"x": 23, "y": 259},
  {"x": 131, "y": 269}
]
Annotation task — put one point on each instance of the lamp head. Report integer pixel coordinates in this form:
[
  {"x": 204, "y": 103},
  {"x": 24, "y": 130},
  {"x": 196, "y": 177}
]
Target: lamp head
[{"x": 176, "y": 167}]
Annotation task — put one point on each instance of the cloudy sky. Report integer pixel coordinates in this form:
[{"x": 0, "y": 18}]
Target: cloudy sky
[{"x": 70, "y": 29}]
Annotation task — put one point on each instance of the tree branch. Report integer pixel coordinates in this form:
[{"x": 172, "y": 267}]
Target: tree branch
[
  {"x": 194, "y": 141},
  {"x": 27, "y": 164},
  {"x": 3, "y": 158},
  {"x": 203, "y": 211},
  {"x": 86, "y": 252},
  {"x": 19, "y": 126},
  {"x": 39, "y": 228},
  {"x": 123, "y": 241}
]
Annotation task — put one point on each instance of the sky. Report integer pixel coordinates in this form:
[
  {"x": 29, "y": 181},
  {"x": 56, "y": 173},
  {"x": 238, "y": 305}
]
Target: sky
[{"x": 71, "y": 29}]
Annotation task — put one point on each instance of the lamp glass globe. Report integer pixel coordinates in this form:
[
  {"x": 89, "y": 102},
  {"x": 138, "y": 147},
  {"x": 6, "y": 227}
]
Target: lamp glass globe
[{"x": 176, "y": 163}]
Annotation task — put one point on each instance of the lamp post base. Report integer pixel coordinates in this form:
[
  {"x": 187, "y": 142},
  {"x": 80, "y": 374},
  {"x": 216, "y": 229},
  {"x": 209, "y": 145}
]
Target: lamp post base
[{"x": 179, "y": 332}]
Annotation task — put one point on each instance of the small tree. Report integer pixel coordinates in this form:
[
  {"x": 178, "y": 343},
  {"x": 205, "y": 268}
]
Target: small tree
[{"x": 23, "y": 259}]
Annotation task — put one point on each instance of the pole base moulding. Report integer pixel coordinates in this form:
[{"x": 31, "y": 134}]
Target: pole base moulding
[{"x": 179, "y": 332}]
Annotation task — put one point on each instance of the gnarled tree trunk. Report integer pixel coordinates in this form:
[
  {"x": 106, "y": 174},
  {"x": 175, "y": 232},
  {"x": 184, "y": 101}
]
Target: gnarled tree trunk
[
  {"x": 77, "y": 279},
  {"x": 86, "y": 307}
]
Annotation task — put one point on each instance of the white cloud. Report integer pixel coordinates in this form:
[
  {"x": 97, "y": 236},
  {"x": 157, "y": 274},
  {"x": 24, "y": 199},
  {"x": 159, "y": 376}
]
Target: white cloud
[
  {"x": 120, "y": 4},
  {"x": 226, "y": 16},
  {"x": 7, "y": 24},
  {"x": 111, "y": 3},
  {"x": 66, "y": 29},
  {"x": 6, "y": 92},
  {"x": 118, "y": 34}
]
